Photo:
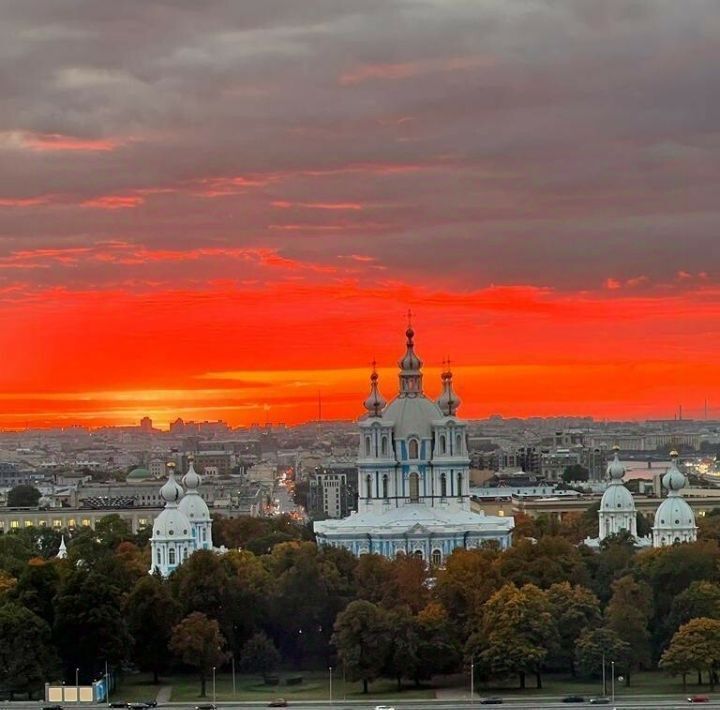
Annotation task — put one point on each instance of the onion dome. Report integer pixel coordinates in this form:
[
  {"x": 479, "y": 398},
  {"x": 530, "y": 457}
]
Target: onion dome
[
  {"x": 191, "y": 480},
  {"x": 615, "y": 469},
  {"x": 448, "y": 401},
  {"x": 375, "y": 402},
  {"x": 673, "y": 481},
  {"x": 410, "y": 366},
  {"x": 171, "y": 492}
]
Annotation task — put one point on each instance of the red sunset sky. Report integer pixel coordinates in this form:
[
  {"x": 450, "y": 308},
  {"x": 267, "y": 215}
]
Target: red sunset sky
[{"x": 216, "y": 210}]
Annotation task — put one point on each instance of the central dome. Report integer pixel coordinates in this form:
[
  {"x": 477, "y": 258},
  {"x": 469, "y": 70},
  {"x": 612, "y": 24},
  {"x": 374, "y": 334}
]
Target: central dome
[
  {"x": 617, "y": 498},
  {"x": 412, "y": 415}
]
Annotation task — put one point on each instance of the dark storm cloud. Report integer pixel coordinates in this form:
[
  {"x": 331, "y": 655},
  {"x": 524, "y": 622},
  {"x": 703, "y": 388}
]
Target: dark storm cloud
[{"x": 553, "y": 143}]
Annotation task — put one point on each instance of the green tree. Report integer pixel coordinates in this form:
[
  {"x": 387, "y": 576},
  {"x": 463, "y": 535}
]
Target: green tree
[
  {"x": 574, "y": 473},
  {"x": 695, "y": 646},
  {"x": 259, "y": 655},
  {"x": 151, "y": 614},
  {"x": 517, "y": 633},
  {"x": 36, "y": 589},
  {"x": 574, "y": 609},
  {"x": 700, "y": 599},
  {"x": 628, "y": 615},
  {"x": 403, "y": 658},
  {"x": 26, "y": 652},
  {"x": 598, "y": 646},
  {"x": 88, "y": 607},
  {"x": 23, "y": 496},
  {"x": 362, "y": 641},
  {"x": 197, "y": 641},
  {"x": 111, "y": 530}
]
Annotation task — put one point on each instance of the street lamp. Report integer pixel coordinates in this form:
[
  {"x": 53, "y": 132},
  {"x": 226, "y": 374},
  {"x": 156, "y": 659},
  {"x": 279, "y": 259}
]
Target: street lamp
[
  {"x": 472, "y": 680},
  {"x": 612, "y": 681},
  {"x": 214, "y": 686},
  {"x": 330, "y": 669},
  {"x": 77, "y": 685}
]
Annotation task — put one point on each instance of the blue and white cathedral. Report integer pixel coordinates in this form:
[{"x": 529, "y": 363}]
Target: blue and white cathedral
[
  {"x": 183, "y": 526},
  {"x": 413, "y": 476}
]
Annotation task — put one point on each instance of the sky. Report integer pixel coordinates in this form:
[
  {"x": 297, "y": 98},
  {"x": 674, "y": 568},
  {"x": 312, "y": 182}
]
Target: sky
[{"x": 223, "y": 209}]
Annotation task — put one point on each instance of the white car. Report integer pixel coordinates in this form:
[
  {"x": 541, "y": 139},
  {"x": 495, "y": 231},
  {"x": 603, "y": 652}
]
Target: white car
[{"x": 384, "y": 707}]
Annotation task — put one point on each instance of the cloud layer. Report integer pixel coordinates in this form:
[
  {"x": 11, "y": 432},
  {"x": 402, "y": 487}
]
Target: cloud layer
[{"x": 266, "y": 186}]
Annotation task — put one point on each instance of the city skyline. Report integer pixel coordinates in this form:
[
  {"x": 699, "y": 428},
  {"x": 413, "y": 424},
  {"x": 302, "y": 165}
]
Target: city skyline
[{"x": 219, "y": 214}]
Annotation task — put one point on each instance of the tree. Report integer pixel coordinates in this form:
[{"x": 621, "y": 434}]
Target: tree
[
  {"x": 151, "y": 614},
  {"x": 598, "y": 646},
  {"x": 576, "y": 472},
  {"x": 197, "y": 641},
  {"x": 516, "y": 634},
  {"x": 111, "y": 530},
  {"x": 695, "y": 646},
  {"x": 26, "y": 653},
  {"x": 439, "y": 650},
  {"x": 259, "y": 655},
  {"x": 403, "y": 658},
  {"x": 23, "y": 496},
  {"x": 362, "y": 641},
  {"x": 574, "y": 609},
  {"x": 88, "y": 607},
  {"x": 36, "y": 588},
  {"x": 628, "y": 615},
  {"x": 469, "y": 579}
]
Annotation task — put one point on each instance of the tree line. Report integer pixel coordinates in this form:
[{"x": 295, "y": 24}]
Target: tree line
[{"x": 545, "y": 605}]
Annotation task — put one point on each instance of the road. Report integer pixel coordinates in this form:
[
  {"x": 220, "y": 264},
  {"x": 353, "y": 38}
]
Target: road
[{"x": 647, "y": 702}]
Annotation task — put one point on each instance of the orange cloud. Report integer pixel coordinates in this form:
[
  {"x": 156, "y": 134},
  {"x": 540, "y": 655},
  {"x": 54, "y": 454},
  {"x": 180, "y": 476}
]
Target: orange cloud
[
  {"x": 405, "y": 70},
  {"x": 57, "y": 142}
]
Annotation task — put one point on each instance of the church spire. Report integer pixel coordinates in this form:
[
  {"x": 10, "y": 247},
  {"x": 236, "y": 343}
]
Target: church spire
[
  {"x": 410, "y": 366},
  {"x": 62, "y": 551},
  {"x": 375, "y": 401},
  {"x": 448, "y": 401}
]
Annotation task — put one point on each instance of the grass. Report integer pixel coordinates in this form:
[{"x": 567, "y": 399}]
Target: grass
[{"x": 315, "y": 686}]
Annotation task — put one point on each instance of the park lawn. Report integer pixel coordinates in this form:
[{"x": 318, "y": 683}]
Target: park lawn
[
  {"x": 642, "y": 683},
  {"x": 315, "y": 686}
]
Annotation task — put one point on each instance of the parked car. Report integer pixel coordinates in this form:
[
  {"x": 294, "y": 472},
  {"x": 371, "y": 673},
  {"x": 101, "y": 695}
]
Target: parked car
[
  {"x": 278, "y": 703},
  {"x": 384, "y": 707},
  {"x": 205, "y": 706},
  {"x": 599, "y": 701},
  {"x": 117, "y": 704},
  {"x": 490, "y": 701},
  {"x": 573, "y": 699},
  {"x": 698, "y": 699},
  {"x": 52, "y": 707},
  {"x": 138, "y": 706}
]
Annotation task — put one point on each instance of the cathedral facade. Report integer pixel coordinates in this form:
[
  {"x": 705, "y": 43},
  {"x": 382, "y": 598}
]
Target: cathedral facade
[{"x": 413, "y": 476}]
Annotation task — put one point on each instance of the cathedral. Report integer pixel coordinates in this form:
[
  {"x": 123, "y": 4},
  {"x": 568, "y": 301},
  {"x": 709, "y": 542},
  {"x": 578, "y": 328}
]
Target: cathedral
[
  {"x": 183, "y": 526},
  {"x": 674, "y": 518},
  {"x": 413, "y": 476}
]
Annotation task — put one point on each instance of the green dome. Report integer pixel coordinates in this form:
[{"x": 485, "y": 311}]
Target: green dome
[{"x": 139, "y": 474}]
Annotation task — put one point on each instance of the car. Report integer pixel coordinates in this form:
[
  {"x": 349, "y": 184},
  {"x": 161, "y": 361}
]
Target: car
[
  {"x": 698, "y": 699},
  {"x": 384, "y": 707},
  {"x": 117, "y": 704},
  {"x": 138, "y": 706},
  {"x": 205, "y": 706},
  {"x": 151, "y": 703},
  {"x": 573, "y": 699},
  {"x": 278, "y": 703},
  {"x": 52, "y": 707},
  {"x": 490, "y": 701},
  {"x": 599, "y": 701}
]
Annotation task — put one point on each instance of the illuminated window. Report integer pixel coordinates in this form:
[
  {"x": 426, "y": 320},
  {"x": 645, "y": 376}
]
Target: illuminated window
[
  {"x": 57, "y": 523},
  {"x": 28, "y": 523},
  {"x": 42, "y": 523},
  {"x": 14, "y": 524},
  {"x": 85, "y": 522},
  {"x": 72, "y": 523}
]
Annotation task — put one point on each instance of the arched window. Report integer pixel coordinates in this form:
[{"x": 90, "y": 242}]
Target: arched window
[
  {"x": 368, "y": 487},
  {"x": 367, "y": 446},
  {"x": 443, "y": 444},
  {"x": 458, "y": 444},
  {"x": 385, "y": 486},
  {"x": 413, "y": 449},
  {"x": 171, "y": 556},
  {"x": 443, "y": 485},
  {"x": 418, "y": 554},
  {"x": 384, "y": 446},
  {"x": 159, "y": 557},
  {"x": 436, "y": 557},
  {"x": 414, "y": 488},
  {"x": 459, "y": 484}
]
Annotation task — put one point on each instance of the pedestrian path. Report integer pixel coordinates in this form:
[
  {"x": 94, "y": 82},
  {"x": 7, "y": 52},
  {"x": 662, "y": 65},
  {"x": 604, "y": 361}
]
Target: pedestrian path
[{"x": 164, "y": 694}]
